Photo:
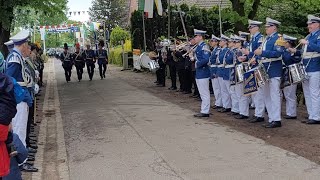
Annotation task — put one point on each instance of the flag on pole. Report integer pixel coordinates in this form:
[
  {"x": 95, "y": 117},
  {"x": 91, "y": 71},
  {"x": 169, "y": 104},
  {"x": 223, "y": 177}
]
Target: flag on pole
[
  {"x": 141, "y": 5},
  {"x": 159, "y": 7},
  {"x": 148, "y": 8}
]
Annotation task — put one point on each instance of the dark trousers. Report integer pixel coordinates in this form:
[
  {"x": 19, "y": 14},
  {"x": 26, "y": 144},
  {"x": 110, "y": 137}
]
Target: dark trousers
[
  {"x": 188, "y": 80},
  {"x": 173, "y": 76},
  {"x": 162, "y": 75},
  {"x": 181, "y": 75},
  {"x": 196, "y": 91},
  {"x": 102, "y": 70},
  {"x": 79, "y": 69},
  {"x": 41, "y": 77},
  {"x": 90, "y": 69},
  {"x": 67, "y": 72},
  {"x": 30, "y": 121}
]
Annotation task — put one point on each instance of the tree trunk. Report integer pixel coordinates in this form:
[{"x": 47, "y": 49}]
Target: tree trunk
[
  {"x": 5, "y": 31},
  {"x": 5, "y": 35},
  {"x": 238, "y": 7},
  {"x": 253, "y": 12}
]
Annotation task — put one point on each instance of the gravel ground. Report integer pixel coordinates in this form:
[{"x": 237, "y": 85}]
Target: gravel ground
[{"x": 292, "y": 136}]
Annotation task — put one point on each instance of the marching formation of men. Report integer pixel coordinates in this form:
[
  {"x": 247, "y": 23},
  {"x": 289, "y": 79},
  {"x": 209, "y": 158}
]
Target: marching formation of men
[
  {"x": 87, "y": 58},
  {"x": 21, "y": 79},
  {"x": 258, "y": 72}
]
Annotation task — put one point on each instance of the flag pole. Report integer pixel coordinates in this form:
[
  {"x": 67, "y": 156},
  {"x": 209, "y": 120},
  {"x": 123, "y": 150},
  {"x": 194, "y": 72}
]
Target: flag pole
[
  {"x": 144, "y": 33},
  {"x": 169, "y": 12}
]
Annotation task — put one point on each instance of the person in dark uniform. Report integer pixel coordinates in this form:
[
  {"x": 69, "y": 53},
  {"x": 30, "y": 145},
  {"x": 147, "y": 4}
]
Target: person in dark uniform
[
  {"x": 90, "y": 60},
  {"x": 161, "y": 73},
  {"x": 172, "y": 68},
  {"x": 180, "y": 65},
  {"x": 102, "y": 57},
  {"x": 79, "y": 61},
  {"x": 67, "y": 62}
]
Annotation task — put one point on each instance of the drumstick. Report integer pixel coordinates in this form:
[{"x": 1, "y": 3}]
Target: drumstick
[{"x": 298, "y": 45}]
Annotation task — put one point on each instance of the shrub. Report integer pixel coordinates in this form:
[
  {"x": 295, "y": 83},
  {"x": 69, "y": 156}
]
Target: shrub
[
  {"x": 115, "y": 56},
  {"x": 117, "y": 35}
]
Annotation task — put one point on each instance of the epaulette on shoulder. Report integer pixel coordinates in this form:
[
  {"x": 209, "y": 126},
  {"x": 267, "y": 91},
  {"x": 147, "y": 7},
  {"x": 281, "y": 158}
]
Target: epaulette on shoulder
[{"x": 206, "y": 48}]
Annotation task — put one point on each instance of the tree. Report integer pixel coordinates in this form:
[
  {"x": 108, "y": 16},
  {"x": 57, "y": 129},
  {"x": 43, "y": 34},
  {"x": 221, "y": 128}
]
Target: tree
[
  {"x": 8, "y": 13},
  {"x": 117, "y": 35},
  {"x": 112, "y": 12}
]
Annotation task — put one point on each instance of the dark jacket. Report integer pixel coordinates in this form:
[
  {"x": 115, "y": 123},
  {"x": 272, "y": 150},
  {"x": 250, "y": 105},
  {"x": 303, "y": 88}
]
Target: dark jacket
[{"x": 7, "y": 100}]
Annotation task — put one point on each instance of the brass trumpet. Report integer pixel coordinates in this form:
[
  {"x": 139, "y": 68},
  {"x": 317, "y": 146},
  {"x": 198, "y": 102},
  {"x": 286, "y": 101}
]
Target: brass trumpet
[{"x": 190, "y": 51}]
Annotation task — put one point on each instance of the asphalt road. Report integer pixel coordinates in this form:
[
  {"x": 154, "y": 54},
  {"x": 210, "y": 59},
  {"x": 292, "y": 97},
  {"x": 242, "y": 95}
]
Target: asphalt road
[{"x": 118, "y": 132}]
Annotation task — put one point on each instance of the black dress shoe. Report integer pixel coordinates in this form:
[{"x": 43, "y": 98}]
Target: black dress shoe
[
  {"x": 33, "y": 146},
  {"x": 31, "y": 150},
  {"x": 160, "y": 85},
  {"x": 290, "y": 117},
  {"x": 256, "y": 119},
  {"x": 216, "y": 107},
  {"x": 273, "y": 124},
  {"x": 200, "y": 115},
  {"x": 180, "y": 90},
  {"x": 156, "y": 82},
  {"x": 28, "y": 168},
  {"x": 32, "y": 141},
  {"x": 187, "y": 92},
  {"x": 240, "y": 116},
  {"x": 311, "y": 121},
  {"x": 31, "y": 158},
  {"x": 224, "y": 110},
  {"x": 195, "y": 95},
  {"x": 234, "y": 113}
]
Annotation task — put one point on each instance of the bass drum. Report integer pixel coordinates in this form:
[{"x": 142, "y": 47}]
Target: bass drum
[{"x": 145, "y": 60}]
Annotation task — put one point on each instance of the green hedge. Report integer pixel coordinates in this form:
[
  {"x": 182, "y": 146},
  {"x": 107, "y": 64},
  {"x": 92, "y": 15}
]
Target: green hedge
[{"x": 116, "y": 56}]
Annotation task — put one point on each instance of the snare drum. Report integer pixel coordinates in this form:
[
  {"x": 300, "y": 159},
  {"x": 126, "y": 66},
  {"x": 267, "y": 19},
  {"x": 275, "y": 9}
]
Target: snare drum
[
  {"x": 261, "y": 75},
  {"x": 153, "y": 66},
  {"x": 297, "y": 73},
  {"x": 239, "y": 70},
  {"x": 250, "y": 85}
]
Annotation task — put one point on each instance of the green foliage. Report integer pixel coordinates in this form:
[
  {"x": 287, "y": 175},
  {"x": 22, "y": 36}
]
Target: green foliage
[
  {"x": 117, "y": 35},
  {"x": 113, "y": 12},
  {"x": 115, "y": 56}
]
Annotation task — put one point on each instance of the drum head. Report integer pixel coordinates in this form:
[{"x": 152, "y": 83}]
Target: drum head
[{"x": 144, "y": 60}]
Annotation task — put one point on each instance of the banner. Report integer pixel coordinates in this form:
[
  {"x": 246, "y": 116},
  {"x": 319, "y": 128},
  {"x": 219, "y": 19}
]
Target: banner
[
  {"x": 159, "y": 7},
  {"x": 43, "y": 34},
  {"x": 148, "y": 8}
]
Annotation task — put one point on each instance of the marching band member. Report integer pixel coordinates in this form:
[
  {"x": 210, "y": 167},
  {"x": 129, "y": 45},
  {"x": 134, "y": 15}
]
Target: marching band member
[
  {"x": 3, "y": 64},
  {"x": 243, "y": 100},
  {"x": 290, "y": 56},
  {"x": 311, "y": 61},
  {"x": 223, "y": 84},
  {"x": 271, "y": 58},
  {"x": 16, "y": 68},
  {"x": 255, "y": 43},
  {"x": 102, "y": 57},
  {"x": 214, "y": 42},
  {"x": 79, "y": 61},
  {"x": 244, "y": 35},
  {"x": 229, "y": 77},
  {"x": 67, "y": 62},
  {"x": 201, "y": 55},
  {"x": 89, "y": 57}
]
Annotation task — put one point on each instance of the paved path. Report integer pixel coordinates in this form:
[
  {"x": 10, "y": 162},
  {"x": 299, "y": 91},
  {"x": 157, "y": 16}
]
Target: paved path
[{"x": 118, "y": 132}]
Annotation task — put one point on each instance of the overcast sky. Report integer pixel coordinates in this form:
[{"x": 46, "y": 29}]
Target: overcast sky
[{"x": 79, "y": 5}]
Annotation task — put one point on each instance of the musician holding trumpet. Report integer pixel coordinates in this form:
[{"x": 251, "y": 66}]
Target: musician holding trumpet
[{"x": 201, "y": 55}]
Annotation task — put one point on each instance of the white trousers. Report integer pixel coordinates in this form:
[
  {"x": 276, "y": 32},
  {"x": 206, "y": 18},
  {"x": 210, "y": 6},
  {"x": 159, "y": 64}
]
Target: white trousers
[
  {"x": 20, "y": 121},
  {"x": 217, "y": 93},
  {"x": 272, "y": 98},
  {"x": 291, "y": 100},
  {"x": 259, "y": 105},
  {"x": 225, "y": 88},
  {"x": 203, "y": 86},
  {"x": 234, "y": 99},
  {"x": 311, "y": 90},
  {"x": 243, "y": 100}
]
